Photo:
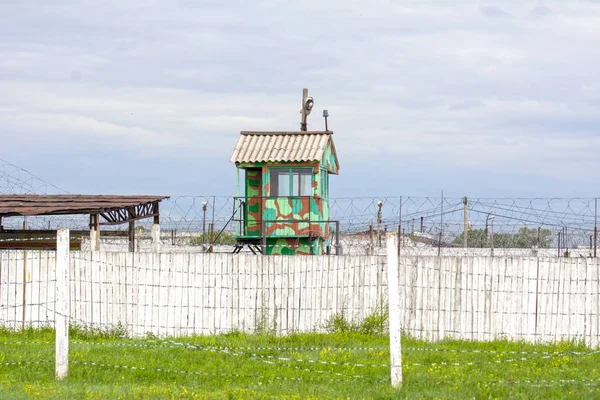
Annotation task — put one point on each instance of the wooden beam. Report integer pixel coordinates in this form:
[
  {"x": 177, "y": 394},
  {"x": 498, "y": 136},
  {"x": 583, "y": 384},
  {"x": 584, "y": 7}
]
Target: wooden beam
[
  {"x": 131, "y": 236},
  {"x": 37, "y": 245},
  {"x": 155, "y": 211},
  {"x": 51, "y": 234},
  {"x": 122, "y": 216},
  {"x": 8, "y": 233}
]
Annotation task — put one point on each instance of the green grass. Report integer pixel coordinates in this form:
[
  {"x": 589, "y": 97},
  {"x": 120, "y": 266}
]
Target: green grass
[{"x": 240, "y": 366}]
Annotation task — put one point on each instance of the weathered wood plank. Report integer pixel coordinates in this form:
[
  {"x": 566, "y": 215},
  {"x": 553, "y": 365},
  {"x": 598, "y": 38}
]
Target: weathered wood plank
[{"x": 471, "y": 297}]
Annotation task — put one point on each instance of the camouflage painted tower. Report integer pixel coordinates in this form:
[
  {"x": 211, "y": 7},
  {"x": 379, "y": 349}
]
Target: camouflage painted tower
[{"x": 285, "y": 209}]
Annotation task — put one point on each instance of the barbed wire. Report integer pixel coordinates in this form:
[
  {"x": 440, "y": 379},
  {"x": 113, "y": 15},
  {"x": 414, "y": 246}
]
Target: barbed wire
[
  {"x": 13, "y": 363},
  {"x": 168, "y": 343},
  {"x": 204, "y": 373},
  {"x": 340, "y": 377},
  {"x": 17, "y": 180},
  {"x": 427, "y": 225}
]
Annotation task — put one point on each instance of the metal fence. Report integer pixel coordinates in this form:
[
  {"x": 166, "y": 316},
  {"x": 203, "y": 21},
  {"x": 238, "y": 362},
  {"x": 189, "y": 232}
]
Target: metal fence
[{"x": 558, "y": 227}]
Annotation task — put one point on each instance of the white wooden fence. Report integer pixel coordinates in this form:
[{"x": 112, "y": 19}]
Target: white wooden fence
[{"x": 479, "y": 298}]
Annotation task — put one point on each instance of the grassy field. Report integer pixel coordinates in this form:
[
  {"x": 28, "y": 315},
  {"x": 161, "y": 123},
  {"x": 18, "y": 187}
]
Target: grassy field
[{"x": 313, "y": 366}]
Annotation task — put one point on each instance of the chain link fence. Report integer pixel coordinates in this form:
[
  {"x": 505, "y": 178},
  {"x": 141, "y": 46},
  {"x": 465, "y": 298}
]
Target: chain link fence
[{"x": 553, "y": 227}]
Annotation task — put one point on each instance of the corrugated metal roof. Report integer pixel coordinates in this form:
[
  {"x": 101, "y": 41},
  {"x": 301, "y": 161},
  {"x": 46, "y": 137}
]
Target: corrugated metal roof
[
  {"x": 58, "y": 204},
  {"x": 280, "y": 146}
]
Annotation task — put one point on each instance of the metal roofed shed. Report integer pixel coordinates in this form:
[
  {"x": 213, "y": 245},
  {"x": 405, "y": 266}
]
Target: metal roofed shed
[
  {"x": 303, "y": 146},
  {"x": 103, "y": 210}
]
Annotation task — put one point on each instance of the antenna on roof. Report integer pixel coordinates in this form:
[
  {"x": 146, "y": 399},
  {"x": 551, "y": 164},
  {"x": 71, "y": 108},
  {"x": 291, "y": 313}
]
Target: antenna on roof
[
  {"x": 325, "y": 115},
  {"x": 307, "y": 106}
]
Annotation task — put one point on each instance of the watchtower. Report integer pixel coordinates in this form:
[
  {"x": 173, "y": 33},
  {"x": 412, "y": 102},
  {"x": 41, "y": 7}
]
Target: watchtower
[{"x": 285, "y": 207}]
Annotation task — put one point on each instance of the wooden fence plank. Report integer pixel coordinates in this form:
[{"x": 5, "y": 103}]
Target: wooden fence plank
[{"x": 477, "y": 298}]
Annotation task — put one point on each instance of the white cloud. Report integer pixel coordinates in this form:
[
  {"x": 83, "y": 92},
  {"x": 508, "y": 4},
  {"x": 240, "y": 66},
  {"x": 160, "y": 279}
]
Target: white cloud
[{"x": 443, "y": 84}]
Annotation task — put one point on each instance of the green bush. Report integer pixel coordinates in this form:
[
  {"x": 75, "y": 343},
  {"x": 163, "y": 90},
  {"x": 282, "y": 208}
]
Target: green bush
[
  {"x": 523, "y": 239},
  {"x": 224, "y": 238},
  {"x": 376, "y": 323},
  {"x": 339, "y": 322}
]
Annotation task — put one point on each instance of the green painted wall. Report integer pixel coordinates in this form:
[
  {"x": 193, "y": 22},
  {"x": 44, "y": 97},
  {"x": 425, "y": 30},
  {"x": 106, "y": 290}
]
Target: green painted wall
[
  {"x": 293, "y": 246},
  {"x": 253, "y": 202},
  {"x": 330, "y": 161},
  {"x": 284, "y": 237}
]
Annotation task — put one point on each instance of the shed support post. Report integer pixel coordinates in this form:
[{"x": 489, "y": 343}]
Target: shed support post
[
  {"x": 156, "y": 235},
  {"x": 25, "y": 227},
  {"x": 131, "y": 236},
  {"x": 94, "y": 232}
]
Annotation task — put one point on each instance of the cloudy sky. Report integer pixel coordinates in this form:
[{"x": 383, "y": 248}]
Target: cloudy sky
[{"x": 475, "y": 98}]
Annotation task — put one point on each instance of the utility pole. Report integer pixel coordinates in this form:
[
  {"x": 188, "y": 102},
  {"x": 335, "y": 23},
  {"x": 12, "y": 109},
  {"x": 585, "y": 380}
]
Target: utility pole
[
  {"x": 595, "y": 226},
  {"x": 565, "y": 242},
  {"x": 204, "y": 208},
  {"x": 485, "y": 231},
  {"x": 466, "y": 223},
  {"x": 307, "y": 105},
  {"x": 303, "y": 125},
  {"x": 490, "y": 218},
  {"x": 379, "y": 218},
  {"x": 372, "y": 239},
  {"x": 493, "y": 235},
  {"x": 400, "y": 226},
  {"x": 441, "y": 223},
  {"x": 559, "y": 244}
]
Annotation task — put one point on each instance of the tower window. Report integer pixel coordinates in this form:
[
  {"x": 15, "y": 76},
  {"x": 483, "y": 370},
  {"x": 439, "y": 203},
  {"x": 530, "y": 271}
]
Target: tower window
[{"x": 290, "y": 182}]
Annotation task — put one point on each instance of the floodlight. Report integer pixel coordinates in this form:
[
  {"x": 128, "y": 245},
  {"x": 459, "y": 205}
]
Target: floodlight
[{"x": 308, "y": 105}]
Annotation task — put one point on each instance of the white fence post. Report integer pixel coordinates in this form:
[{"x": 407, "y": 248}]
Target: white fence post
[
  {"x": 61, "y": 322},
  {"x": 394, "y": 311},
  {"x": 155, "y": 238}
]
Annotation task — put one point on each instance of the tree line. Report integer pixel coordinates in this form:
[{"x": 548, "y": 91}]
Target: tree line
[{"x": 523, "y": 238}]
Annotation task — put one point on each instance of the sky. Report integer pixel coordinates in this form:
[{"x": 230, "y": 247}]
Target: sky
[{"x": 486, "y": 99}]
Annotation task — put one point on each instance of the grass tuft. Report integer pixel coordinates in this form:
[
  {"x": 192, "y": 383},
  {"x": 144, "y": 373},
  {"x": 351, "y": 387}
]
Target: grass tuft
[{"x": 375, "y": 323}]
